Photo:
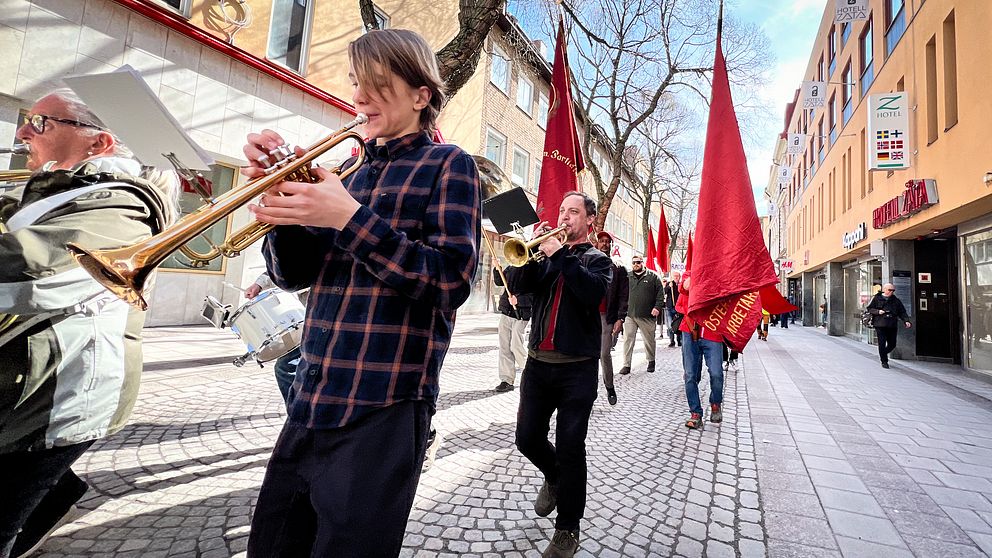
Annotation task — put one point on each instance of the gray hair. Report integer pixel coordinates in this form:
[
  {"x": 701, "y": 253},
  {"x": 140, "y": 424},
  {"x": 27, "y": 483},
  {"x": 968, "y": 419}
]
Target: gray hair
[{"x": 78, "y": 110}]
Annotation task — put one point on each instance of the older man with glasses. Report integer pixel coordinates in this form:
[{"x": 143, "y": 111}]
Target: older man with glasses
[
  {"x": 70, "y": 358},
  {"x": 887, "y": 311}
]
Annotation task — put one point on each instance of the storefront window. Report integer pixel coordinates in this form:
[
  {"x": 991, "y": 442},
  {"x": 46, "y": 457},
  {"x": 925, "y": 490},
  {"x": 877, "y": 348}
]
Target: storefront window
[
  {"x": 861, "y": 282},
  {"x": 222, "y": 177},
  {"x": 978, "y": 308}
]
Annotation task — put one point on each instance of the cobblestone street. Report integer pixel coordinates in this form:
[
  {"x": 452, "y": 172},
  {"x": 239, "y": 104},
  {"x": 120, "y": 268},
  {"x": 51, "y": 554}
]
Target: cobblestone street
[{"x": 821, "y": 453}]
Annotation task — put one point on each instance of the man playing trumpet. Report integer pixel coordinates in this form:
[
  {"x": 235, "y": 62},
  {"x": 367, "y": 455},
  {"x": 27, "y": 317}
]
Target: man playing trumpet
[
  {"x": 71, "y": 355},
  {"x": 562, "y": 370}
]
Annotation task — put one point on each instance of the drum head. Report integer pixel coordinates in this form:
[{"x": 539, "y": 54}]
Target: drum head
[{"x": 280, "y": 344}]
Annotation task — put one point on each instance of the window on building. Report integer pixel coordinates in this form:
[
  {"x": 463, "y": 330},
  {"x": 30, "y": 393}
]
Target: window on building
[
  {"x": 832, "y": 49},
  {"x": 181, "y": 7},
  {"x": 864, "y": 163},
  {"x": 847, "y": 174},
  {"x": 866, "y": 50},
  {"x": 822, "y": 140},
  {"x": 525, "y": 94},
  {"x": 819, "y": 70},
  {"x": 521, "y": 166},
  {"x": 496, "y": 147},
  {"x": 931, "y": 70},
  {"x": 950, "y": 73},
  {"x": 289, "y": 29},
  {"x": 833, "y": 202},
  {"x": 499, "y": 73},
  {"x": 847, "y": 76},
  {"x": 222, "y": 178},
  {"x": 895, "y": 23},
  {"x": 381, "y": 19},
  {"x": 832, "y": 106},
  {"x": 542, "y": 110},
  {"x": 537, "y": 176},
  {"x": 845, "y": 33}
]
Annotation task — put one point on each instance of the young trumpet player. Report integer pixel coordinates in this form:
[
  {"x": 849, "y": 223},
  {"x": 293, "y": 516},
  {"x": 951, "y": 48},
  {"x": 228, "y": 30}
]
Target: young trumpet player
[
  {"x": 389, "y": 255},
  {"x": 562, "y": 370}
]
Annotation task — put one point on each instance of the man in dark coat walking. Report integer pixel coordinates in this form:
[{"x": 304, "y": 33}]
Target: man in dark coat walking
[
  {"x": 613, "y": 312},
  {"x": 887, "y": 311}
]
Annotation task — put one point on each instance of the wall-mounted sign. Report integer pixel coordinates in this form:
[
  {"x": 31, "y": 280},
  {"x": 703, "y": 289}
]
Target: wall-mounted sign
[
  {"x": 850, "y": 10},
  {"x": 922, "y": 277},
  {"x": 919, "y": 195},
  {"x": 814, "y": 94},
  {"x": 797, "y": 143},
  {"x": 787, "y": 266},
  {"x": 888, "y": 131},
  {"x": 784, "y": 174},
  {"x": 806, "y": 257},
  {"x": 851, "y": 239}
]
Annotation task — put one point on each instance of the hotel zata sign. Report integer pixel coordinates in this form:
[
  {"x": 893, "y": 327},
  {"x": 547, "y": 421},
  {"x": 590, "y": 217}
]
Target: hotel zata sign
[{"x": 919, "y": 195}]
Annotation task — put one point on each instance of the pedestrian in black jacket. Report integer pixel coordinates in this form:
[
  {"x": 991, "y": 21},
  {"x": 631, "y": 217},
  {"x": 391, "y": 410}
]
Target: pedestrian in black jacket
[
  {"x": 562, "y": 365},
  {"x": 675, "y": 319},
  {"x": 612, "y": 311},
  {"x": 887, "y": 311},
  {"x": 514, "y": 312}
]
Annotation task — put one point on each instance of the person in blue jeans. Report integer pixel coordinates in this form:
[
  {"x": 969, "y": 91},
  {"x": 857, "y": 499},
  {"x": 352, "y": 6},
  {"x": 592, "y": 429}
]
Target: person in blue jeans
[
  {"x": 285, "y": 366},
  {"x": 700, "y": 344}
]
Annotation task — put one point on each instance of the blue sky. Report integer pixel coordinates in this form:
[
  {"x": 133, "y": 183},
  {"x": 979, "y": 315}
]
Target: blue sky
[{"x": 790, "y": 26}]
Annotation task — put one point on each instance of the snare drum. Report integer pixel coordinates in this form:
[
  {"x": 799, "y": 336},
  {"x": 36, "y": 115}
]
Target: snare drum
[{"x": 271, "y": 324}]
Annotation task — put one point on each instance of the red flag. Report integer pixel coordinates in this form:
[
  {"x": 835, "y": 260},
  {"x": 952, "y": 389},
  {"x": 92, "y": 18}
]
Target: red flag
[
  {"x": 773, "y": 302},
  {"x": 562, "y": 153},
  {"x": 733, "y": 263},
  {"x": 650, "y": 257},
  {"x": 682, "y": 305},
  {"x": 664, "y": 240},
  {"x": 688, "y": 254}
]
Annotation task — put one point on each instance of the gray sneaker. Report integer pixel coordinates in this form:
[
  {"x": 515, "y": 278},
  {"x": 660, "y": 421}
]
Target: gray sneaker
[
  {"x": 563, "y": 545},
  {"x": 547, "y": 499}
]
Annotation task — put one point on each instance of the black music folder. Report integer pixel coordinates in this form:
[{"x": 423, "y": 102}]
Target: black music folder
[{"x": 509, "y": 210}]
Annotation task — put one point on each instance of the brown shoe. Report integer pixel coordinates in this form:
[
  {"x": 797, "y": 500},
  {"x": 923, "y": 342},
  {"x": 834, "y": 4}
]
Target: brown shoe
[
  {"x": 625, "y": 370},
  {"x": 563, "y": 545},
  {"x": 547, "y": 499}
]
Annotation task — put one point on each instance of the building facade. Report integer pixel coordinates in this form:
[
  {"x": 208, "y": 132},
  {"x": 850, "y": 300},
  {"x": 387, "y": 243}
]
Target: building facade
[
  {"x": 850, "y": 228},
  {"x": 226, "y": 68}
]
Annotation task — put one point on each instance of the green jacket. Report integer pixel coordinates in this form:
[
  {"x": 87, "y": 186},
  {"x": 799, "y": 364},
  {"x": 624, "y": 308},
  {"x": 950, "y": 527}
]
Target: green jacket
[
  {"x": 72, "y": 377},
  {"x": 646, "y": 292}
]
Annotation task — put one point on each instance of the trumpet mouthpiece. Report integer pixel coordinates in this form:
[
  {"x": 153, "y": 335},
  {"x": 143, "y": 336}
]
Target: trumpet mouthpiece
[
  {"x": 360, "y": 118},
  {"x": 17, "y": 149}
]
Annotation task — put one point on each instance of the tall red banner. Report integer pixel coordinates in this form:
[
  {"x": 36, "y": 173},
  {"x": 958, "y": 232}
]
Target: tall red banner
[
  {"x": 562, "y": 152},
  {"x": 731, "y": 263},
  {"x": 649, "y": 258},
  {"x": 664, "y": 240}
]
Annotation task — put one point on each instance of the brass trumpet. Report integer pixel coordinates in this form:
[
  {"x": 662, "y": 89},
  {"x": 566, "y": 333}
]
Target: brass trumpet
[
  {"x": 518, "y": 253},
  {"x": 124, "y": 270}
]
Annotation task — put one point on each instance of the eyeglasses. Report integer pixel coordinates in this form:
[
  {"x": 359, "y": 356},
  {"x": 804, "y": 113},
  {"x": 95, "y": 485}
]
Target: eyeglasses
[
  {"x": 637, "y": 263},
  {"x": 37, "y": 122}
]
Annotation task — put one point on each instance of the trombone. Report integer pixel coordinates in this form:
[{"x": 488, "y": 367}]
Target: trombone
[{"x": 124, "y": 270}]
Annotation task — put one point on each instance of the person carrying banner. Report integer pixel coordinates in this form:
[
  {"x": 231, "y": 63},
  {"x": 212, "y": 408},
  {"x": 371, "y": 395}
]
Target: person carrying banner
[
  {"x": 613, "y": 312},
  {"x": 562, "y": 367},
  {"x": 700, "y": 344}
]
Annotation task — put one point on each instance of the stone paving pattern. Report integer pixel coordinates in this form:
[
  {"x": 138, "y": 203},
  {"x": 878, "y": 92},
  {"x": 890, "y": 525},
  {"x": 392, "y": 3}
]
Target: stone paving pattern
[{"x": 821, "y": 453}]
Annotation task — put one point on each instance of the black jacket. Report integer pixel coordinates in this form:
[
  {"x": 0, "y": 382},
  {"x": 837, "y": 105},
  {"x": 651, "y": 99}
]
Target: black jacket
[
  {"x": 894, "y": 311},
  {"x": 524, "y": 301},
  {"x": 586, "y": 272},
  {"x": 616, "y": 295},
  {"x": 671, "y": 295}
]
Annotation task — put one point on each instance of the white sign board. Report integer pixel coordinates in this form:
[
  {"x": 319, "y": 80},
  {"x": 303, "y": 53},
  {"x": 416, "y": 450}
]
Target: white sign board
[
  {"x": 680, "y": 267},
  {"x": 784, "y": 174},
  {"x": 888, "y": 131},
  {"x": 797, "y": 143},
  {"x": 851, "y": 10},
  {"x": 814, "y": 94}
]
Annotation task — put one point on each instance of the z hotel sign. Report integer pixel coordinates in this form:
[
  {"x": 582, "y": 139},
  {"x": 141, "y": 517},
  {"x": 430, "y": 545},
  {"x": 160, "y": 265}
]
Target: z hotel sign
[{"x": 919, "y": 195}]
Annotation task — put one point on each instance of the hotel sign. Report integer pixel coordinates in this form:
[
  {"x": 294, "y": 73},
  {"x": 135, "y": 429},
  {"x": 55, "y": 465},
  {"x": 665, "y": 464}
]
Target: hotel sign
[
  {"x": 888, "y": 131},
  {"x": 851, "y": 10},
  {"x": 919, "y": 195},
  {"x": 851, "y": 239}
]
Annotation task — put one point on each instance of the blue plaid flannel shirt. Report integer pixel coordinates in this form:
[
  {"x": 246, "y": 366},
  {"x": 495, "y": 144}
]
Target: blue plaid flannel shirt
[{"x": 383, "y": 291}]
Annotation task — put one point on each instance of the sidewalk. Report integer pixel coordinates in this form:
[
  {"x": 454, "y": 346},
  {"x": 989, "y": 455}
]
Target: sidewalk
[{"x": 821, "y": 453}]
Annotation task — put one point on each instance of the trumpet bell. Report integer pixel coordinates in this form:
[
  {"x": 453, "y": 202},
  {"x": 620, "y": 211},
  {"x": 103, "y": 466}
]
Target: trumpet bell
[{"x": 518, "y": 253}]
